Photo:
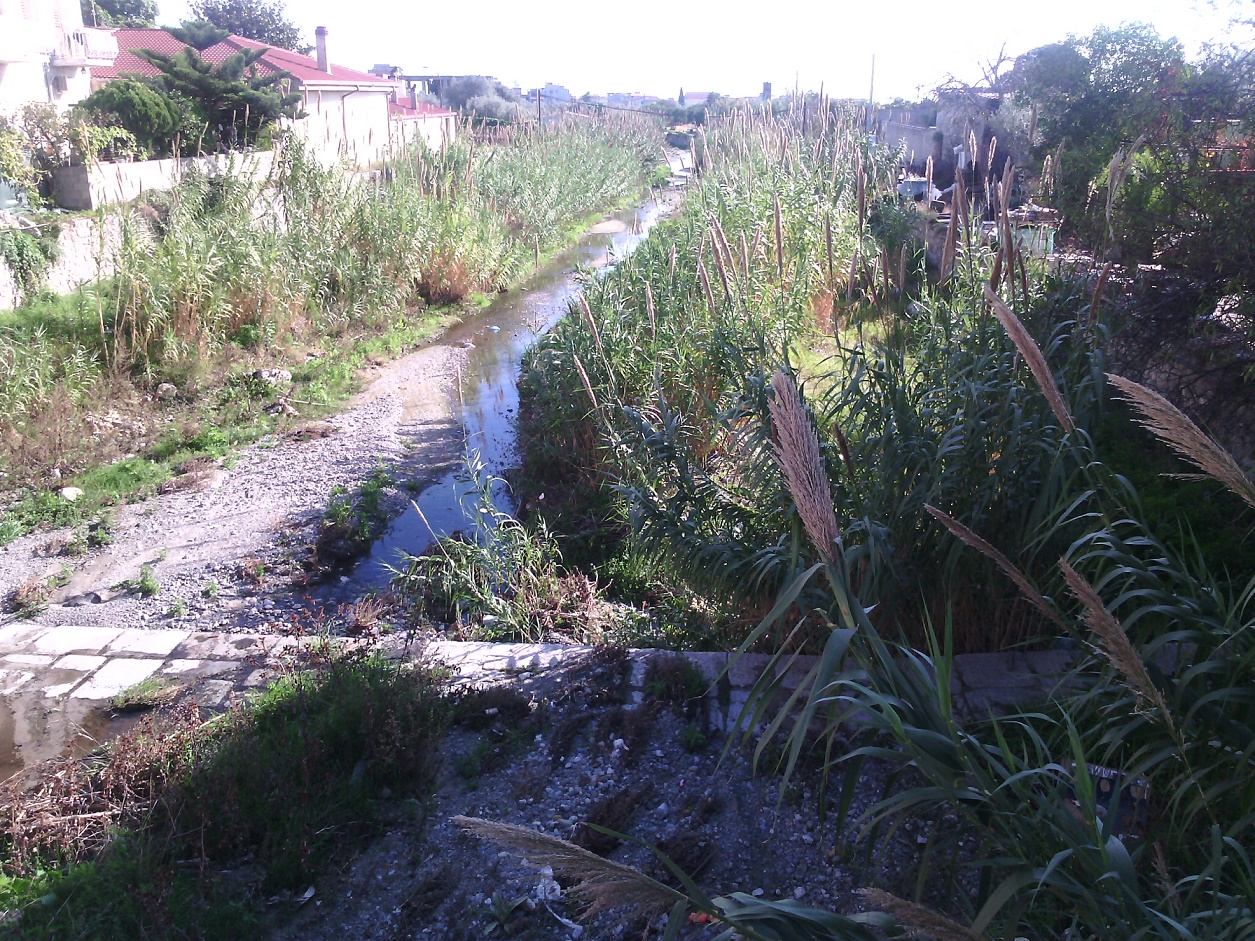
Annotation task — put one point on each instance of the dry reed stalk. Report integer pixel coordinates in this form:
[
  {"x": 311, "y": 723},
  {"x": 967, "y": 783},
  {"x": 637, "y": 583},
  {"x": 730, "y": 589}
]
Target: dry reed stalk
[
  {"x": 705, "y": 279},
  {"x": 952, "y": 236},
  {"x": 588, "y": 386},
  {"x": 902, "y": 272},
  {"x": 861, "y": 193},
  {"x": 721, "y": 268},
  {"x": 649, "y": 309},
  {"x": 1114, "y": 644},
  {"x": 724, "y": 246},
  {"x": 797, "y": 453},
  {"x": 592, "y": 325},
  {"x": 828, "y": 242},
  {"x": 928, "y": 179},
  {"x": 1032, "y": 354},
  {"x": 671, "y": 266},
  {"x": 1171, "y": 426},
  {"x": 918, "y": 920},
  {"x": 603, "y": 884},
  {"x": 779, "y": 240},
  {"x": 1094, "y": 298},
  {"x": 757, "y": 248},
  {"x": 849, "y": 285},
  {"x": 745, "y": 258},
  {"x": 969, "y": 538}
]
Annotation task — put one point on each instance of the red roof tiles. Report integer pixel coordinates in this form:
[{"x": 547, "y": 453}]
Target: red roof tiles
[{"x": 303, "y": 68}]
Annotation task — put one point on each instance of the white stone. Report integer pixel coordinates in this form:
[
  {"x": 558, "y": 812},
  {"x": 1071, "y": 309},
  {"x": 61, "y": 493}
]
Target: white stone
[
  {"x": 18, "y": 636},
  {"x": 115, "y": 676},
  {"x": 29, "y": 659},
  {"x": 199, "y": 667},
  {"x": 71, "y": 493},
  {"x": 74, "y": 638},
  {"x": 83, "y": 663},
  {"x": 757, "y": 893},
  {"x": 799, "y": 892},
  {"x": 154, "y": 643}
]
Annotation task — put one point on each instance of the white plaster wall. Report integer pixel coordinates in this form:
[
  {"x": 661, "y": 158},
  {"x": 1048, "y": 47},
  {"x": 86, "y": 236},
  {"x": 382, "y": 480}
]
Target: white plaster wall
[
  {"x": 433, "y": 130},
  {"x": 106, "y": 184},
  {"x": 345, "y": 125}
]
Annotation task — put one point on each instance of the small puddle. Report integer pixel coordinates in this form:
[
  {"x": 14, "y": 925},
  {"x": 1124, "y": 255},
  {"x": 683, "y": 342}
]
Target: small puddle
[
  {"x": 496, "y": 340},
  {"x": 35, "y": 727}
]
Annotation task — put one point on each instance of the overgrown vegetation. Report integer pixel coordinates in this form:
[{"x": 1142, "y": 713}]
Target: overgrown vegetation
[
  {"x": 285, "y": 781},
  {"x": 230, "y": 273}
]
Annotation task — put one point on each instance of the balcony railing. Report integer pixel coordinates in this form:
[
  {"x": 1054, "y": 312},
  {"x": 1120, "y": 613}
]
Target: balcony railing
[{"x": 86, "y": 47}]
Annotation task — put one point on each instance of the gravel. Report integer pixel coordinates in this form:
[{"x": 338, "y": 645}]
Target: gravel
[{"x": 265, "y": 507}]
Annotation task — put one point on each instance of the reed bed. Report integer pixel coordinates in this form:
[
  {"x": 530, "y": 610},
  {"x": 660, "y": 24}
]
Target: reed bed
[{"x": 222, "y": 268}]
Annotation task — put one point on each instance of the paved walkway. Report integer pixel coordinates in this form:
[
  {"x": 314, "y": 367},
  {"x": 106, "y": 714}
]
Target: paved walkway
[{"x": 55, "y": 682}]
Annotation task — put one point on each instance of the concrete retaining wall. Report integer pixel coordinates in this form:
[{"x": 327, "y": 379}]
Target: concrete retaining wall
[
  {"x": 106, "y": 184},
  {"x": 87, "y": 252}
]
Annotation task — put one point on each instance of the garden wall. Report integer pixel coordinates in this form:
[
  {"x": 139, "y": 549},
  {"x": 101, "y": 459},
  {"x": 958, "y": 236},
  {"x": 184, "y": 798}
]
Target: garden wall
[
  {"x": 105, "y": 184},
  {"x": 86, "y": 251}
]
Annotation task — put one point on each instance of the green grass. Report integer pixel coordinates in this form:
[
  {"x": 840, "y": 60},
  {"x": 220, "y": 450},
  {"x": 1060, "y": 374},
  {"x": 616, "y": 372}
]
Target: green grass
[{"x": 292, "y": 781}]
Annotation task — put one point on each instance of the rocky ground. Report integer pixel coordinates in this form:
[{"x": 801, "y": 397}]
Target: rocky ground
[{"x": 553, "y": 749}]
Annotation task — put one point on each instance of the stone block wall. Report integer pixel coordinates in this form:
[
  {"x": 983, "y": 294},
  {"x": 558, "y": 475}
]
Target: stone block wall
[{"x": 106, "y": 184}]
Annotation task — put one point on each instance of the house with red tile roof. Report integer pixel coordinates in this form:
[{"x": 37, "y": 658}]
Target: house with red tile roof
[{"x": 348, "y": 115}]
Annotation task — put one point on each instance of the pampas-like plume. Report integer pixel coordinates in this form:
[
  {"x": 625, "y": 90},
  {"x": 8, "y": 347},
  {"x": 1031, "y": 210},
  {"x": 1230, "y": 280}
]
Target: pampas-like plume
[
  {"x": 970, "y": 538},
  {"x": 917, "y": 920},
  {"x": 1114, "y": 643},
  {"x": 797, "y": 451},
  {"x": 601, "y": 883},
  {"x": 1032, "y": 354},
  {"x": 1170, "y": 425}
]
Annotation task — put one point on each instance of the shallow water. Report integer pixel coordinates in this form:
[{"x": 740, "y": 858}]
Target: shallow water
[{"x": 488, "y": 390}]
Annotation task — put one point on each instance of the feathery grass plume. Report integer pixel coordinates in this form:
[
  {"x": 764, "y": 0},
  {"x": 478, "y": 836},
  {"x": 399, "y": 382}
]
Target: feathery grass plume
[
  {"x": 1171, "y": 426},
  {"x": 1032, "y": 354},
  {"x": 797, "y": 452},
  {"x": 705, "y": 280},
  {"x": 603, "y": 884},
  {"x": 917, "y": 920},
  {"x": 1114, "y": 643},
  {"x": 967, "y": 537},
  {"x": 588, "y": 386}
]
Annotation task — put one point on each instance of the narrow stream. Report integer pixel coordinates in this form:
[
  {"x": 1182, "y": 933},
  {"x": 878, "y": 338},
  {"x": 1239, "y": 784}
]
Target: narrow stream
[{"x": 496, "y": 339}]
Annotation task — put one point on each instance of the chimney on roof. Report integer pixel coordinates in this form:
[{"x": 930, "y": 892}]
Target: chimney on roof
[{"x": 320, "y": 43}]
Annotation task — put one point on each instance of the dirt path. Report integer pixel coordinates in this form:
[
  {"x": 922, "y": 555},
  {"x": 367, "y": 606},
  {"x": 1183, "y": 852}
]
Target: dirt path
[{"x": 264, "y": 508}]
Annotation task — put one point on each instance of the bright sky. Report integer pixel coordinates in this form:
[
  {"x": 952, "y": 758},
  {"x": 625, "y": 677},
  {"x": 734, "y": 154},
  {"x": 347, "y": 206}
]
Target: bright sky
[{"x": 729, "y": 46}]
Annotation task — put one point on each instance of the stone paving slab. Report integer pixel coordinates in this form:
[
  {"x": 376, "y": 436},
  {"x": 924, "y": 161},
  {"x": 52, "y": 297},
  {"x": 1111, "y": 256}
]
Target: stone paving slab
[
  {"x": 74, "y": 638},
  {"x": 115, "y": 676}
]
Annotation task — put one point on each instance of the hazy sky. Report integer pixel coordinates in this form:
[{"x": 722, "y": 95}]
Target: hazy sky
[{"x": 730, "y": 47}]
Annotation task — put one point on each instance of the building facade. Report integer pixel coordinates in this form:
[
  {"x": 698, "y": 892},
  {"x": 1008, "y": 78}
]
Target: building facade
[{"x": 47, "y": 54}]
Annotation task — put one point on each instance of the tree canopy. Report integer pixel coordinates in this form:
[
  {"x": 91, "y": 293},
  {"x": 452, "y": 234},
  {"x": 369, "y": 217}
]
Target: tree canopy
[
  {"x": 199, "y": 34},
  {"x": 252, "y": 19},
  {"x": 154, "y": 118},
  {"x": 119, "y": 13},
  {"x": 237, "y": 102}
]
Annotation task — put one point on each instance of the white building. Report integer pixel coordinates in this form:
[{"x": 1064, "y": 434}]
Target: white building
[
  {"x": 350, "y": 116},
  {"x": 46, "y": 54}
]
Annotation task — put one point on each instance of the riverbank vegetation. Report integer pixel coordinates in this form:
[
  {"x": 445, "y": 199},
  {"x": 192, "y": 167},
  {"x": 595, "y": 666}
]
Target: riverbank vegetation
[
  {"x": 779, "y": 409},
  {"x": 307, "y": 270}
]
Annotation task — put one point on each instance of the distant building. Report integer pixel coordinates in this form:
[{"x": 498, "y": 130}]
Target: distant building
[
  {"x": 350, "y": 115},
  {"x": 552, "y": 92},
  {"x": 47, "y": 54}
]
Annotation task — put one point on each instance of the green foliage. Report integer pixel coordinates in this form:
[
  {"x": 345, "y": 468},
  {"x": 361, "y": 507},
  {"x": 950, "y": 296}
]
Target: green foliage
[
  {"x": 126, "y": 14},
  {"x": 149, "y": 115},
  {"x": 256, "y": 19},
  {"x": 294, "y": 776},
  {"x": 15, "y": 162},
  {"x": 353, "y": 522},
  {"x": 29, "y": 255},
  {"x": 128, "y": 893}
]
